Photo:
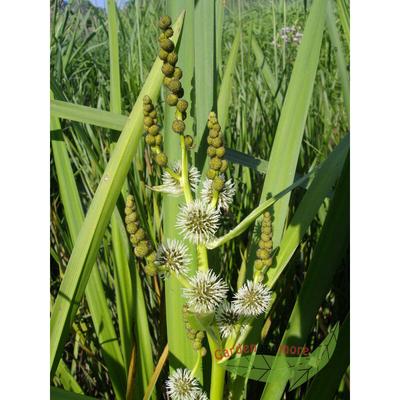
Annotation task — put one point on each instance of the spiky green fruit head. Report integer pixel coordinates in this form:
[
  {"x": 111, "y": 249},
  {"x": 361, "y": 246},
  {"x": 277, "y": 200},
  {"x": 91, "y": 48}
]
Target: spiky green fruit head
[
  {"x": 269, "y": 244},
  {"x": 133, "y": 240},
  {"x": 145, "y": 113},
  {"x": 163, "y": 55},
  {"x": 130, "y": 202},
  {"x": 266, "y": 216},
  {"x": 268, "y": 262},
  {"x": 178, "y": 126},
  {"x": 211, "y": 151},
  {"x": 188, "y": 141},
  {"x": 200, "y": 335},
  {"x": 178, "y": 73},
  {"x": 146, "y": 99},
  {"x": 197, "y": 345},
  {"x": 217, "y": 142},
  {"x": 215, "y": 163},
  {"x": 142, "y": 249},
  {"x": 213, "y": 133},
  {"x": 224, "y": 165},
  {"x": 128, "y": 210},
  {"x": 212, "y": 115},
  {"x": 167, "y": 45},
  {"x": 209, "y": 140},
  {"x": 172, "y": 58},
  {"x": 132, "y": 227},
  {"x": 262, "y": 244},
  {"x": 150, "y": 269},
  {"x": 169, "y": 32},
  {"x": 217, "y": 127},
  {"x": 218, "y": 183},
  {"x": 159, "y": 139},
  {"x": 150, "y": 140},
  {"x": 182, "y": 105},
  {"x": 167, "y": 70},
  {"x": 153, "y": 130},
  {"x": 148, "y": 107},
  {"x": 211, "y": 173},
  {"x": 172, "y": 99},
  {"x": 220, "y": 152},
  {"x": 153, "y": 114},
  {"x": 131, "y": 218},
  {"x": 191, "y": 335},
  {"x": 263, "y": 254},
  {"x": 265, "y": 236},
  {"x": 258, "y": 265},
  {"x": 162, "y": 37},
  {"x": 165, "y": 22},
  {"x": 140, "y": 234},
  {"x": 161, "y": 159},
  {"x": 174, "y": 85},
  {"x": 209, "y": 124},
  {"x": 148, "y": 121},
  {"x": 166, "y": 81}
]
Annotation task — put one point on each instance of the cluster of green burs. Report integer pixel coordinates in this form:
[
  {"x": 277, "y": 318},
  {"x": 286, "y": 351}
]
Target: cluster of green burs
[
  {"x": 172, "y": 76},
  {"x": 264, "y": 258},
  {"x": 195, "y": 336},
  {"x": 216, "y": 151},
  {"x": 142, "y": 246},
  {"x": 153, "y": 136}
]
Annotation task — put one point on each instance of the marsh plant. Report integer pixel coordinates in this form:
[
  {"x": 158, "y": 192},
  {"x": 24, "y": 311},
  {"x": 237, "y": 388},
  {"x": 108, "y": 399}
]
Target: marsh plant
[{"x": 172, "y": 244}]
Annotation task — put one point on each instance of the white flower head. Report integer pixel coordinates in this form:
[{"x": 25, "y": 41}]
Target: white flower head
[
  {"x": 252, "y": 299},
  {"x": 181, "y": 385},
  {"x": 201, "y": 396},
  {"x": 173, "y": 186},
  {"x": 173, "y": 257},
  {"x": 198, "y": 222},
  {"x": 225, "y": 197},
  {"x": 226, "y": 319},
  {"x": 207, "y": 291}
]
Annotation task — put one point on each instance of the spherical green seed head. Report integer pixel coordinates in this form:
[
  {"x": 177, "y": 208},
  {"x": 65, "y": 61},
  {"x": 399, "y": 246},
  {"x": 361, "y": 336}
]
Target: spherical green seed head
[
  {"x": 128, "y": 210},
  {"x": 200, "y": 335},
  {"x": 132, "y": 227},
  {"x": 159, "y": 139},
  {"x": 224, "y": 165},
  {"x": 172, "y": 58},
  {"x": 197, "y": 345},
  {"x": 131, "y": 218},
  {"x": 182, "y": 105},
  {"x": 268, "y": 262},
  {"x": 266, "y": 216},
  {"x": 161, "y": 159},
  {"x": 167, "y": 45},
  {"x": 220, "y": 152},
  {"x": 262, "y": 244},
  {"x": 218, "y": 183},
  {"x": 133, "y": 240},
  {"x": 211, "y": 151},
  {"x": 215, "y": 163},
  {"x": 191, "y": 335},
  {"x": 217, "y": 127},
  {"x": 269, "y": 244},
  {"x": 130, "y": 201},
  {"x": 146, "y": 99},
  {"x": 212, "y": 115},
  {"x": 213, "y": 133},
  {"x": 174, "y": 85},
  {"x": 217, "y": 142},
  {"x": 188, "y": 141},
  {"x": 263, "y": 254},
  {"x": 178, "y": 126},
  {"x": 209, "y": 124},
  {"x": 163, "y": 55},
  {"x": 140, "y": 234},
  {"x": 162, "y": 37},
  {"x": 258, "y": 265},
  {"x": 142, "y": 249},
  {"x": 153, "y": 130},
  {"x": 148, "y": 121},
  {"x": 209, "y": 140},
  {"x": 145, "y": 113},
  {"x": 172, "y": 99},
  {"x": 169, "y": 32},
  {"x": 164, "y": 22},
  {"x": 203, "y": 351},
  {"x": 178, "y": 73},
  {"x": 153, "y": 114},
  {"x": 166, "y": 81},
  {"x": 211, "y": 174},
  {"x": 148, "y": 107},
  {"x": 150, "y": 269},
  {"x": 167, "y": 70},
  {"x": 150, "y": 140}
]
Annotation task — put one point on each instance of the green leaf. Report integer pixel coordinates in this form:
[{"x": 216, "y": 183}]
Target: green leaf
[
  {"x": 67, "y": 380},
  {"x": 98, "y": 216},
  {"x": 59, "y": 394}
]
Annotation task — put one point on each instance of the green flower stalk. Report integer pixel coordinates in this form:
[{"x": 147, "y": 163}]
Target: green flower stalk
[
  {"x": 264, "y": 251},
  {"x": 143, "y": 248}
]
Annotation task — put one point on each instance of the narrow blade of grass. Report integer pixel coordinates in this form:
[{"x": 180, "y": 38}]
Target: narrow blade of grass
[
  {"x": 59, "y": 394},
  {"x": 67, "y": 380}
]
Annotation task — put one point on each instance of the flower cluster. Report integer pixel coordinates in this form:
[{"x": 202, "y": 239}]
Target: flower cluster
[
  {"x": 194, "y": 335},
  {"x": 289, "y": 35},
  {"x": 172, "y": 185},
  {"x": 138, "y": 237},
  {"x": 172, "y": 256},
  {"x": 182, "y": 385},
  {"x": 264, "y": 258}
]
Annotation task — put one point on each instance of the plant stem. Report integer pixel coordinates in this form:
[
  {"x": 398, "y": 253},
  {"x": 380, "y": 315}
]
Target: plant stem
[
  {"x": 217, "y": 373},
  {"x": 202, "y": 257}
]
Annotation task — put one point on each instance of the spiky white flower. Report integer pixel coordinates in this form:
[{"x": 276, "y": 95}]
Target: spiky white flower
[
  {"x": 207, "y": 291},
  {"x": 198, "y": 222},
  {"x": 226, "y": 319},
  {"x": 172, "y": 256},
  {"x": 172, "y": 185},
  {"x": 181, "y": 385},
  {"x": 252, "y": 299},
  {"x": 225, "y": 197},
  {"x": 201, "y": 396}
]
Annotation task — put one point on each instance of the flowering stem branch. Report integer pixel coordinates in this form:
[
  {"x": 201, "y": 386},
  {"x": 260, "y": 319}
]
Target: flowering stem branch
[
  {"x": 217, "y": 373},
  {"x": 202, "y": 257}
]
